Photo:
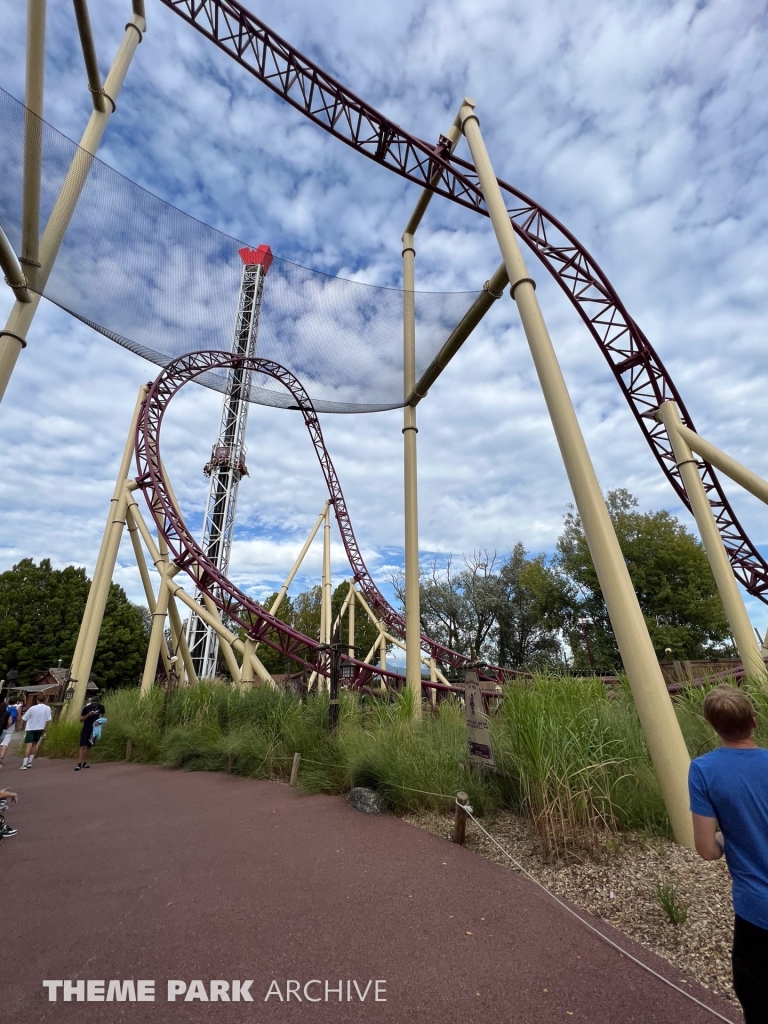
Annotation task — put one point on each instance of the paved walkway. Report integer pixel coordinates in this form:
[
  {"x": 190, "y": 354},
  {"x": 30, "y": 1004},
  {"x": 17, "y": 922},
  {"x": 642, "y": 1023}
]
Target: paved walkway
[{"x": 132, "y": 872}]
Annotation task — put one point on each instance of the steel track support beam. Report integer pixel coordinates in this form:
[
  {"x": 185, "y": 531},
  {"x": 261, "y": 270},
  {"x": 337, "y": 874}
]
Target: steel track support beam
[
  {"x": 326, "y": 594},
  {"x": 89, "y": 56},
  {"x": 149, "y": 594},
  {"x": 410, "y": 456},
  {"x": 351, "y": 621},
  {"x": 13, "y": 336},
  {"x": 34, "y": 90},
  {"x": 720, "y": 460},
  {"x": 226, "y": 647},
  {"x": 14, "y": 275},
  {"x": 493, "y": 289},
  {"x": 246, "y": 669},
  {"x": 728, "y": 588},
  {"x": 157, "y": 633},
  {"x": 90, "y": 627},
  {"x": 657, "y": 716},
  {"x": 297, "y": 564},
  {"x": 180, "y": 645}
]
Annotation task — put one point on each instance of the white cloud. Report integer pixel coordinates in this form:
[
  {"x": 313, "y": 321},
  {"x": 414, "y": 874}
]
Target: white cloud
[{"x": 642, "y": 127}]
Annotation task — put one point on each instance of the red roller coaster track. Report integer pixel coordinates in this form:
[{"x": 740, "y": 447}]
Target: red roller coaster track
[
  {"x": 637, "y": 368},
  {"x": 190, "y": 557}
]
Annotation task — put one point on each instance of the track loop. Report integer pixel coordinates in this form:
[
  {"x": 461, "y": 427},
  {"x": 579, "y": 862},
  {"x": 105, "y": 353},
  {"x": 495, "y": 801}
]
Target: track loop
[{"x": 187, "y": 553}]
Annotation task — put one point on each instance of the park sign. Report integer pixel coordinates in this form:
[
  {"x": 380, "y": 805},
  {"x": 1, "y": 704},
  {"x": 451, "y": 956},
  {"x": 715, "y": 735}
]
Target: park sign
[{"x": 479, "y": 747}]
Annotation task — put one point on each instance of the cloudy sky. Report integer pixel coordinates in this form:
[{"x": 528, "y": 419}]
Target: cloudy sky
[{"x": 642, "y": 126}]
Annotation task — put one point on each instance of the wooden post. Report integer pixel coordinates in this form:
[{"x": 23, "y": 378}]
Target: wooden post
[
  {"x": 460, "y": 821},
  {"x": 128, "y": 750},
  {"x": 295, "y": 769}
]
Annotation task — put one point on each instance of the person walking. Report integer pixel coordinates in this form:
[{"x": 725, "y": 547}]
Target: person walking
[
  {"x": 728, "y": 790},
  {"x": 8, "y": 715},
  {"x": 92, "y": 711},
  {"x": 36, "y": 719}
]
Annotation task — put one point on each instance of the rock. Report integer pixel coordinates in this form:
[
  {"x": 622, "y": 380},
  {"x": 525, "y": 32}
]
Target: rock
[{"x": 366, "y": 800}]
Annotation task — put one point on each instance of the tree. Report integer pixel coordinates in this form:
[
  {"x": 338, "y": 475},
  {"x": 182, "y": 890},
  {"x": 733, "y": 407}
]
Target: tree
[
  {"x": 671, "y": 577},
  {"x": 40, "y": 613},
  {"x": 493, "y": 609},
  {"x": 528, "y": 626}
]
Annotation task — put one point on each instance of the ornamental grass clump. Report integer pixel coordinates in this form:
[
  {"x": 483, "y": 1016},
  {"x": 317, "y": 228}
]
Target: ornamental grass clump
[
  {"x": 669, "y": 901},
  {"x": 573, "y": 753},
  {"x": 570, "y": 753}
]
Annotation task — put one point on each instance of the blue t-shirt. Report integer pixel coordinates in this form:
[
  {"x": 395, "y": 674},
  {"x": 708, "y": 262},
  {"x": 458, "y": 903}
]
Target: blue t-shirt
[{"x": 731, "y": 784}]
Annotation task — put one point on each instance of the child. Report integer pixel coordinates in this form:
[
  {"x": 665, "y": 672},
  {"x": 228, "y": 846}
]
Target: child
[
  {"x": 729, "y": 788},
  {"x": 5, "y": 830}
]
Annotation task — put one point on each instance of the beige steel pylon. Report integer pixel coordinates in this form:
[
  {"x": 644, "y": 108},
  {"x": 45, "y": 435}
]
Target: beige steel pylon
[
  {"x": 90, "y": 627},
  {"x": 413, "y": 659},
  {"x": 38, "y": 257},
  {"x": 728, "y": 588},
  {"x": 657, "y": 716}
]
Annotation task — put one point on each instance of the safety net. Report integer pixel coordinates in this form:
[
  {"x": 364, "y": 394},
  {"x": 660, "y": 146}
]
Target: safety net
[{"x": 161, "y": 283}]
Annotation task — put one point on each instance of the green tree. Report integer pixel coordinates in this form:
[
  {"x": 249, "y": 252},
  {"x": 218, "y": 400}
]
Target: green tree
[
  {"x": 40, "y": 613},
  {"x": 527, "y": 621},
  {"x": 499, "y": 610},
  {"x": 671, "y": 576}
]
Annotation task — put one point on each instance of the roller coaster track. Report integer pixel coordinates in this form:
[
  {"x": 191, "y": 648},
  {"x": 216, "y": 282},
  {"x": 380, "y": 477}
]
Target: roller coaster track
[
  {"x": 189, "y": 556},
  {"x": 640, "y": 373}
]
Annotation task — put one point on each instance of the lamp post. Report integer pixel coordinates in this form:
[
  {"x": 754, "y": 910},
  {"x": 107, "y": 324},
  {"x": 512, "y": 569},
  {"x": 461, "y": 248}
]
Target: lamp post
[{"x": 583, "y": 623}]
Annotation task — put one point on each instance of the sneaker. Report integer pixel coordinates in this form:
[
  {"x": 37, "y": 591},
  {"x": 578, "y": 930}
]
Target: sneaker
[
  {"x": 86, "y": 766},
  {"x": 78, "y": 768},
  {"x": 23, "y": 767},
  {"x": 8, "y": 832}
]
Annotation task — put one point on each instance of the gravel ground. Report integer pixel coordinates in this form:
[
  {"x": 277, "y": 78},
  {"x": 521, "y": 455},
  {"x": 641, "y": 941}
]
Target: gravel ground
[{"x": 619, "y": 885}]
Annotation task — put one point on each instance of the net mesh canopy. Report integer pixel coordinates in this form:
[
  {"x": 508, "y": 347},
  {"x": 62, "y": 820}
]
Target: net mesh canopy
[{"x": 162, "y": 284}]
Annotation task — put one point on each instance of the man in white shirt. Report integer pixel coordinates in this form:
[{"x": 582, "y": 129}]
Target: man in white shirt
[{"x": 36, "y": 719}]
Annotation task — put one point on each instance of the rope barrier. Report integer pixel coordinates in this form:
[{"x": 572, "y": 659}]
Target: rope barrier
[
  {"x": 426, "y": 792},
  {"x": 591, "y": 927}
]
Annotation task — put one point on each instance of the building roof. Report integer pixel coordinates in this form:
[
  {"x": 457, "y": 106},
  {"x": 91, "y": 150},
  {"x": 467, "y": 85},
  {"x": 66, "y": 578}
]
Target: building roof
[{"x": 61, "y": 675}]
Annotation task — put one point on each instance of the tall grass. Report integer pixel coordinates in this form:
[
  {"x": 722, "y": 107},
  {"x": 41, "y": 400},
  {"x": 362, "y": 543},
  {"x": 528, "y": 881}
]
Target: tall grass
[{"x": 570, "y": 753}]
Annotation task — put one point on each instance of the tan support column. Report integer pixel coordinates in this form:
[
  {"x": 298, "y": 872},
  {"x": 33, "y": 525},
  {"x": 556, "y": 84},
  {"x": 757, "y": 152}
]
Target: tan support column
[
  {"x": 715, "y": 457},
  {"x": 410, "y": 482},
  {"x": 133, "y": 533},
  {"x": 410, "y": 430},
  {"x": 210, "y": 615},
  {"x": 351, "y": 622},
  {"x": 33, "y": 139},
  {"x": 657, "y": 716},
  {"x": 85, "y": 648},
  {"x": 13, "y": 338},
  {"x": 296, "y": 565},
  {"x": 158, "y": 631},
  {"x": 226, "y": 648},
  {"x": 741, "y": 627},
  {"x": 246, "y": 670},
  {"x": 327, "y": 613}
]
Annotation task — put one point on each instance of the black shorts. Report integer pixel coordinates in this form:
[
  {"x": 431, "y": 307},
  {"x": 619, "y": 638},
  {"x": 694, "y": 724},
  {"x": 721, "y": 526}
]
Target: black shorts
[
  {"x": 33, "y": 735},
  {"x": 86, "y": 738}
]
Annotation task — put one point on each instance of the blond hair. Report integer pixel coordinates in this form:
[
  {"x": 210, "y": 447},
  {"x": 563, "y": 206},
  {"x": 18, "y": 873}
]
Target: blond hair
[{"x": 730, "y": 712}]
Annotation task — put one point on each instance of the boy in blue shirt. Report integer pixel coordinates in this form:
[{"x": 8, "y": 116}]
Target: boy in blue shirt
[{"x": 729, "y": 788}]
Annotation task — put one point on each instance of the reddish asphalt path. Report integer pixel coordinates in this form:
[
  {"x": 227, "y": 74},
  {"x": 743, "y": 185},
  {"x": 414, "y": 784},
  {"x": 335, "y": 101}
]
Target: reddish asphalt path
[{"x": 134, "y": 872}]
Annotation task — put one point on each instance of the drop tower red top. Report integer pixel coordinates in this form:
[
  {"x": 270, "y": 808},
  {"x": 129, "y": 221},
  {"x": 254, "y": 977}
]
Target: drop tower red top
[{"x": 262, "y": 255}]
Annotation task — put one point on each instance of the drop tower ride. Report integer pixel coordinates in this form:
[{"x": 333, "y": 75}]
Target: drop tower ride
[{"x": 227, "y": 465}]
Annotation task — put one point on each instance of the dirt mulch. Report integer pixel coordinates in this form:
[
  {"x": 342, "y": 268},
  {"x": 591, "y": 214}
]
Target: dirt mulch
[{"x": 619, "y": 885}]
